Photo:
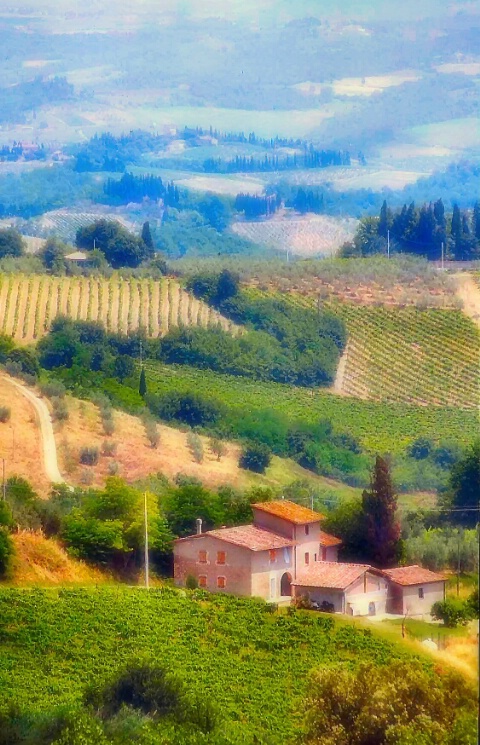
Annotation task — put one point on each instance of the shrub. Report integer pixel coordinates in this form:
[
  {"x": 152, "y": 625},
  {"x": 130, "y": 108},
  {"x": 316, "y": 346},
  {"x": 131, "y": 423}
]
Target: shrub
[
  {"x": 190, "y": 408},
  {"x": 420, "y": 448},
  {"x": 5, "y": 414},
  {"x": 113, "y": 468},
  {"x": 255, "y": 457},
  {"x": 191, "y": 583},
  {"x": 452, "y": 611},
  {"x": 152, "y": 433},
  {"x": 60, "y": 410},
  {"x": 89, "y": 456},
  {"x": 109, "y": 448},
  {"x": 108, "y": 424},
  {"x": 52, "y": 389},
  {"x": 217, "y": 447},
  {"x": 86, "y": 477},
  {"x": 196, "y": 446}
]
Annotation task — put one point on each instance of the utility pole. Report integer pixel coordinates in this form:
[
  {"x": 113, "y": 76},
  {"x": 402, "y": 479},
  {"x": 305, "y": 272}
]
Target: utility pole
[
  {"x": 443, "y": 266},
  {"x": 147, "y": 585},
  {"x": 4, "y": 483},
  {"x": 388, "y": 243}
]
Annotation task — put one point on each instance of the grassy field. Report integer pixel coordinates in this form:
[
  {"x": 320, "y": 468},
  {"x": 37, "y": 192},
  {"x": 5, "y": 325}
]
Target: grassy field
[
  {"x": 254, "y": 665},
  {"x": 30, "y": 303},
  {"x": 380, "y": 427}
]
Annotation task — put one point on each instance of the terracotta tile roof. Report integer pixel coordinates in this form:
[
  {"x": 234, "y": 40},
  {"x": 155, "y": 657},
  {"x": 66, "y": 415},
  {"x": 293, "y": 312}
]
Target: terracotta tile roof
[
  {"x": 290, "y": 511},
  {"x": 246, "y": 536},
  {"x": 329, "y": 540},
  {"x": 331, "y": 574},
  {"x": 412, "y": 575}
]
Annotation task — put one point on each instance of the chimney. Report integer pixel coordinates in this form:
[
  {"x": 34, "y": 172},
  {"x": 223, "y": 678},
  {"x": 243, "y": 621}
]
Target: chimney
[{"x": 199, "y": 525}]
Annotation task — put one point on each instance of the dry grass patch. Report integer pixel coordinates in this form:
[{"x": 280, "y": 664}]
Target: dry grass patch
[
  {"x": 20, "y": 442},
  {"x": 43, "y": 561}
]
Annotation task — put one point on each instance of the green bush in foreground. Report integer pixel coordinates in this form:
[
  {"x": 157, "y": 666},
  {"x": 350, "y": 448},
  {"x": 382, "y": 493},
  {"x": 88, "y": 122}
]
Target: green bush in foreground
[{"x": 401, "y": 703}]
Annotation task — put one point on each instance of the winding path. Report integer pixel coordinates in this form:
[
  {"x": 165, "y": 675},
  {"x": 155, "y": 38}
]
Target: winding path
[
  {"x": 340, "y": 376},
  {"x": 49, "y": 446}
]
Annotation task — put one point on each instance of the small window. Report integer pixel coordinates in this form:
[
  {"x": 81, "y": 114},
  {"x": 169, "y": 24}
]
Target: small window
[
  {"x": 324, "y": 553},
  {"x": 420, "y": 592},
  {"x": 202, "y": 557},
  {"x": 286, "y": 556},
  {"x": 202, "y": 581},
  {"x": 221, "y": 557},
  {"x": 315, "y": 557},
  {"x": 221, "y": 583},
  {"x": 307, "y": 558},
  {"x": 273, "y": 555},
  {"x": 307, "y": 529}
]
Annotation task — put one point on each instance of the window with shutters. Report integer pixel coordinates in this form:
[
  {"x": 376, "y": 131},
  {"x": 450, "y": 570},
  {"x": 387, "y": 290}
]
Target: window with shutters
[
  {"x": 202, "y": 581},
  {"x": 221, "y": 557},
  {"x": 273, "y": 555},
  {"x": 202, "y": 557},
  {"x": 307, "y": 529},
  {"x": 307, "y": 558},
  {"x": 221, "y": 582},
  {"x": 420, "y": 593}
]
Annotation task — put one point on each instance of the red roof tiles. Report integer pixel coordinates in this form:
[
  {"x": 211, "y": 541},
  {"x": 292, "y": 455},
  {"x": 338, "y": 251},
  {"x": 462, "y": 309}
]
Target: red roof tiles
[
  {"x": 247, "y": 536},
  {"x": 328, "y": 540},
  {"x": 293, "y": 513},
  {"x": 331, "y": 574},
  {"x": 412, "y": 575}
]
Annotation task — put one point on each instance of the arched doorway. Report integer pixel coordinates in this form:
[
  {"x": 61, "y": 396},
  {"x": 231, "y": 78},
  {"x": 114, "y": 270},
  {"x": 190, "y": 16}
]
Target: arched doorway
[{"x": 286, "y": 585}]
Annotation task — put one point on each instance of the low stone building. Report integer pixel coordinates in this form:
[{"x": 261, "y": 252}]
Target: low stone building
[
  {"x": 355, "y": 589},
  {"x": 413, "y": 590}
]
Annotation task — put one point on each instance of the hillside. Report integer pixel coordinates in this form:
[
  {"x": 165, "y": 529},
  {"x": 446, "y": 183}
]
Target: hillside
[
  {"x": 253, "y": 664},
  {"x": 301, "y": 236},
  {"x": 425, "y": 357},
  {"x": 42, "y": 561},
  {"x": 30, "y": 304},
  {"x": 379, "y": 427},
  {"x": 133, "y": 457}
]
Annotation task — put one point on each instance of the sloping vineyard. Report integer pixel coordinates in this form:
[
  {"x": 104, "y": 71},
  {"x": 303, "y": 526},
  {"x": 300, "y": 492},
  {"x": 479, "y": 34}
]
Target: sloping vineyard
[
  {"x": 380, "y": 427},
  {"x": 29, "y": 304},
  {"x": 302, "y": 236},
  {"x": 407, "y": 355}
]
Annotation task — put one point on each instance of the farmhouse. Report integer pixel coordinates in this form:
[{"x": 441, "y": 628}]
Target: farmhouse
[{"x": 284, "y": 554}]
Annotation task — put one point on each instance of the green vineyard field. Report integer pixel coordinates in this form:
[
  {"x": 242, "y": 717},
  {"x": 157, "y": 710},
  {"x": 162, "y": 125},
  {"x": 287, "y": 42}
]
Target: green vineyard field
[
  {"x": 425, "y": 357},
  {"x": 29, "y": 304},
  {"x": 380, "y": 427},
  {"x": 251, "y": 664}
]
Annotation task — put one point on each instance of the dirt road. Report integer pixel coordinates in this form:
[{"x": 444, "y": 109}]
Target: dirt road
[
  {"x": 469, "y": 292},
  {"x": 340, "y": 376},
  {"x": 46, "y": 430}
]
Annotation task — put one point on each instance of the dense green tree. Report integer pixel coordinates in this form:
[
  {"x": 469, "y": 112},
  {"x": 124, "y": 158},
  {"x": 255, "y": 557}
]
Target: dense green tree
[
  {"x": 385, "y": 220},
  {"x": 26, "y": 359},
  {"x": 216, "y": 211},
  {"x": 255, "y": 457},
  {"x": 382, "y": 537},
  {"x": 53, "y": 255},
  {"x": 123, "y": 367},
  {"x": 476, "y": 220},
  {"x": 120, "y": 247},
  {"x": 11, "y": 243},
  {"x": 456, "y": 223},
  {"x": 463, "y": 493},
  {"x": 142, "y": 385},
  {"x": 401, "y": 702},
  {"x": 147, "y": 236},
  {"x": 6, "y": 551}
]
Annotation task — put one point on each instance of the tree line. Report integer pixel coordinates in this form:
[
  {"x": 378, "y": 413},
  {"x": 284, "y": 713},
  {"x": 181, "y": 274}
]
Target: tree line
[
  {"x": 253, "y": 205},
  {"x": 130, "y": 188},
  {"x": 426, "y": 231},
  {"x": 310, "y": 158}
]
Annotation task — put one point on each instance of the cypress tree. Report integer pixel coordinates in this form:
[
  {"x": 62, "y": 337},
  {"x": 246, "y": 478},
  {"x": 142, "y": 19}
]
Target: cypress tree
[
  {"x": 147, "y": 236},
  {"x": 456, "y": 225},
  {"x": 379, "y": 504},
  {"x": 142, "y": 386},
  {"x": 476, "y": 220}
]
